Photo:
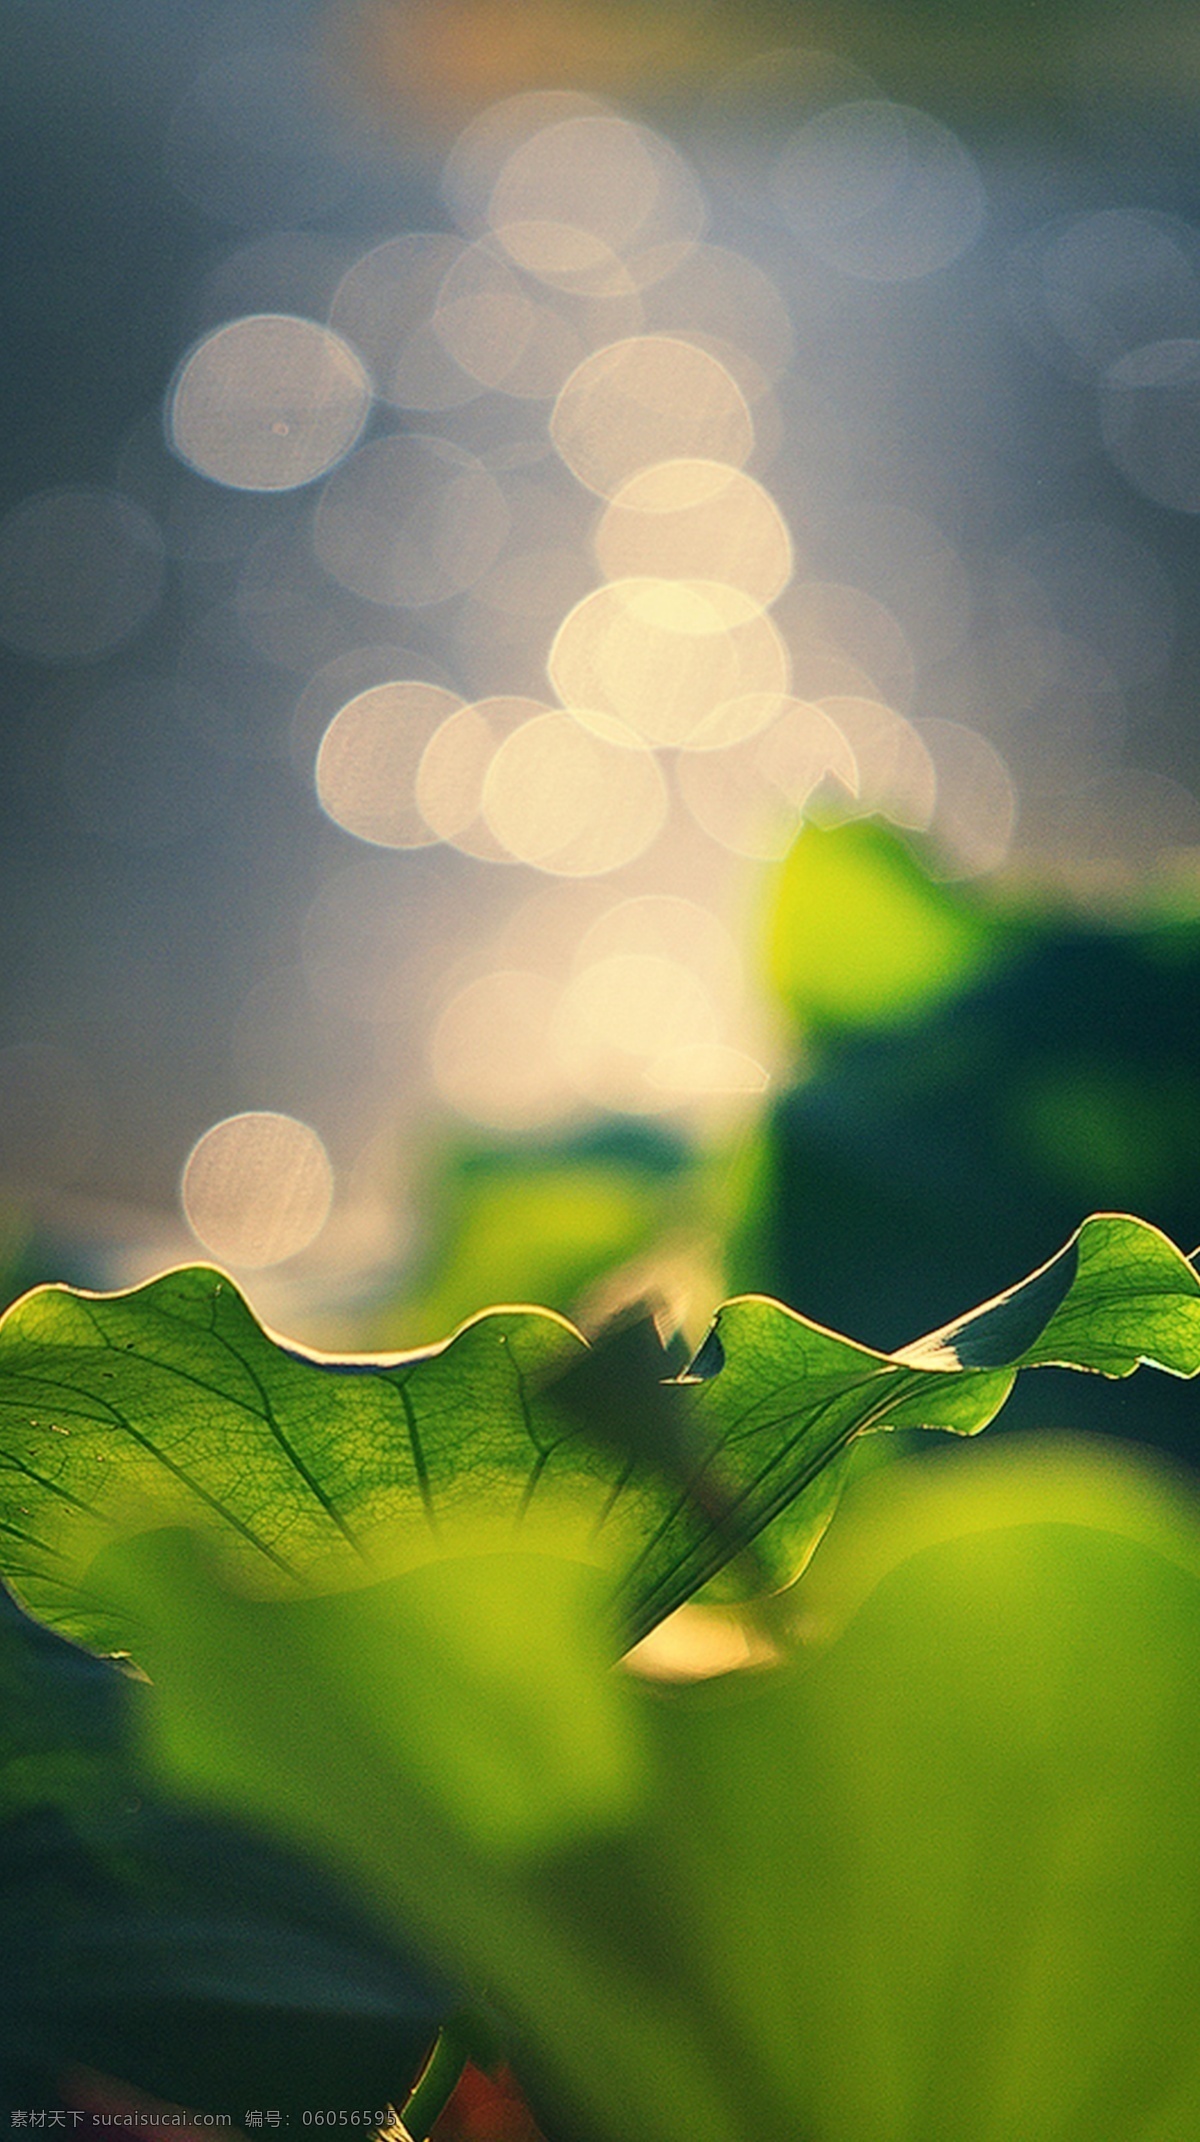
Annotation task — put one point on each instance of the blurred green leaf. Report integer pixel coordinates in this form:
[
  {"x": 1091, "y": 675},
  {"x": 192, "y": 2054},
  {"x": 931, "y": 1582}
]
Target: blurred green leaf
[
  {"x": 859, "y": 935},
  {"x": 179, "y": 1952},
  {"x": 941, "y": 1881},
  {"x": 435, "y": 1760},
  {"x": 530, "y": 1224},
  {"x": 937, "y": 1879}
]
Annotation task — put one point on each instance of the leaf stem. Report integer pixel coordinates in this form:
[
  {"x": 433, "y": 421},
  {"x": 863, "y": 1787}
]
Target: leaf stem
[{"x": 438, "y": 2080}]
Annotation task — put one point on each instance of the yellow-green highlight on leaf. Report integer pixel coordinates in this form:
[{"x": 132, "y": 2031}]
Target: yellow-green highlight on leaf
[
  {"x": 171, "y": 1405},
  {"x": 860, "y": 936}
]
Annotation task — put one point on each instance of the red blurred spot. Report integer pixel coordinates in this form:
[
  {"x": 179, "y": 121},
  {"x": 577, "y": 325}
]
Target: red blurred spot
[{"x": 486, "y": 2108}]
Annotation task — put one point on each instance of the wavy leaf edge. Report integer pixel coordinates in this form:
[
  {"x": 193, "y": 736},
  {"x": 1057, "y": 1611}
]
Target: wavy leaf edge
[{"x": 772, "y": 1401}]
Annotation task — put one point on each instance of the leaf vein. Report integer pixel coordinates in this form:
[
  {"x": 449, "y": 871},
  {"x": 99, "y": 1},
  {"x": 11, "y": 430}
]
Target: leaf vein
[
  {"x": 416, "y": 1445},
  {"x": 211, "y": 1501}
]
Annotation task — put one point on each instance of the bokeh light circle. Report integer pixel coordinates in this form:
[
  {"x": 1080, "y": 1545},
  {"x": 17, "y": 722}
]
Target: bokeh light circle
[
  {"x": 487, "y": 142},
  {"x": 896, "y": 773},
  {"x": 622, "y": 1014},
  {"x": 257, "y": 1188},
  {"x": 454, "y": 767},
  {"x": 696, "y": 520},
  {"x": 268, "y": 403},
  {"x": 681, "y": 662},
  {"x": 574, "y": 801},
  {"x": 975, "y": 815},
  {"x": 751, "y": 797},
  {"x": 841, "y": 639},
  {"x": 386, "y": 304},
  {"x": 595, "y": 204},
  {"x": 370, "y": 756},
  {"x": 648, "y": 398},
  {"x": 1150, "y": 418},
  {"x": 724, "y": 302},
  {"x": 880, "y": 191},
  {"x": 1086, "y": 290}
]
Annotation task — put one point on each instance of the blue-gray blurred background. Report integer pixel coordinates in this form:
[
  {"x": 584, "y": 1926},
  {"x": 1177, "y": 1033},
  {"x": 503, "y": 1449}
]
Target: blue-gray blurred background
[{"x": 312, "y": 418}]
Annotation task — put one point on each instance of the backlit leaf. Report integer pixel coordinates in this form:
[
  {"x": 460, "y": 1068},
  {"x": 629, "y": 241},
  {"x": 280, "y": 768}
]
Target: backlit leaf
[{"x": 171, "y": 1404}]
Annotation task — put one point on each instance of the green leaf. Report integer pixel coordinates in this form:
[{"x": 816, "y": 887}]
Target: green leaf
[
  {"x": 1118, "y": 1295},
  {"x": 434, "y": 1738},
  {"x": 859, "y": 936},
  {"x": 936, "y": 1879},
  {"x": 1064, "y": 1080},
  {"x": 787, "y": 1399},
  {"x": 171, "y": 1404},
  {"x": 940, "y": 1880}
]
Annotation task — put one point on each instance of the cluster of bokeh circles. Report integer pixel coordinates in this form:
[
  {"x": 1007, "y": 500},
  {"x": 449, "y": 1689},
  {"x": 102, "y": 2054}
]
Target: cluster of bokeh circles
[{"x": 563, "y": 564}]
